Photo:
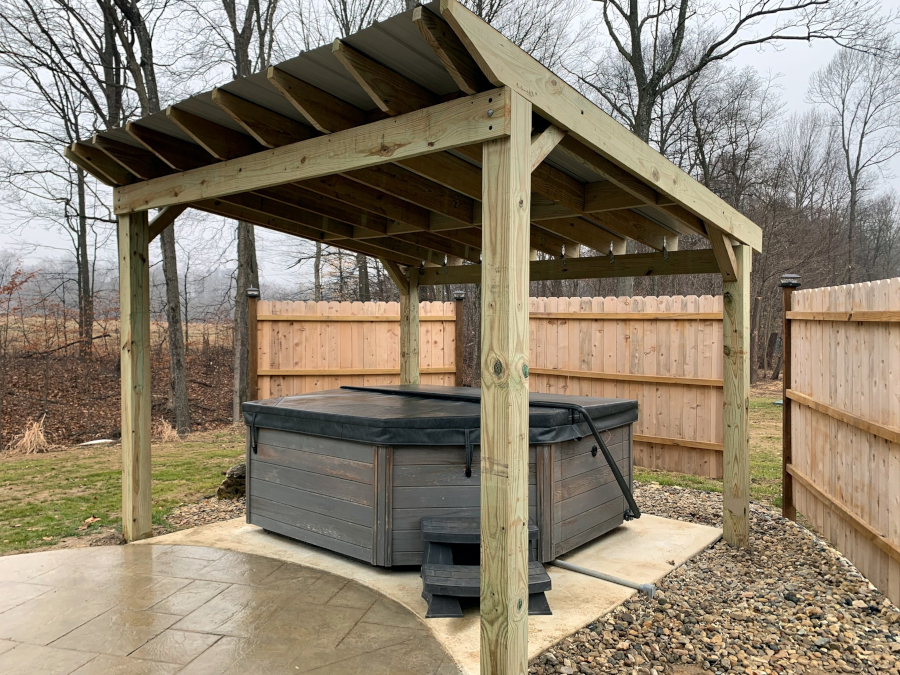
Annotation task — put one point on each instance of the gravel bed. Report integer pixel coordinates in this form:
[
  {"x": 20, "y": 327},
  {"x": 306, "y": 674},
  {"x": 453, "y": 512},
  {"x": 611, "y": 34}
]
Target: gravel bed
[
  {"x": 791, "y": 604},
  {"x": 209, "y": 510}
]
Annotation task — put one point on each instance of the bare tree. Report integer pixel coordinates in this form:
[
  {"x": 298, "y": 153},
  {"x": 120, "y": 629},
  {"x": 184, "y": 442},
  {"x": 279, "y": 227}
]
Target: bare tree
[
  {"x": 136, "y": 37},
  {"x": 861, "y": 94},
  {"x": 63, "y": 80}
]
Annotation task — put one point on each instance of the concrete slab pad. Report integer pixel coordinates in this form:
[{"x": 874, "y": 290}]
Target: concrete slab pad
[{"x": 642, "y": 551}]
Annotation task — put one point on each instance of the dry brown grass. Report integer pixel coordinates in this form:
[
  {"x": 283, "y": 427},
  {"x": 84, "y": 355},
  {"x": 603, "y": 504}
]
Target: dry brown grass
[
  {"x": 32, "y": 441},
  {"x": 163, "y": 431}
]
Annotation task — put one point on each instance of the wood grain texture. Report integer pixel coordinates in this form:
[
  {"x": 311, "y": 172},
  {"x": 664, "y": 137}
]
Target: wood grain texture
[
  {"x": 451, "y": 51},
  {"x": 845, "y": 422},
  {"x": 409, "y": 331},
  {"x": 134, "y": 303},
  {"x": 440, "y": 127},
  {"x": 877, "y": 316},
  {"x": 504, "y": 399},
  {"x": 736, "y": 412}
]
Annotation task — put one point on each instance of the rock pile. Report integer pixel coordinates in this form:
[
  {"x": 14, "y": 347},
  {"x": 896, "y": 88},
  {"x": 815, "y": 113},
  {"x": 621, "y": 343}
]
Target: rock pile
[
  {"x": 790, "y": 604},
  {"x": 235, "y": 483}
]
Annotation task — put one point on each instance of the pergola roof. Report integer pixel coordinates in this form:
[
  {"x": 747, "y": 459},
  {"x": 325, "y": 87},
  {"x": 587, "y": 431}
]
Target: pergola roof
[{"x": 593, "y": 183}]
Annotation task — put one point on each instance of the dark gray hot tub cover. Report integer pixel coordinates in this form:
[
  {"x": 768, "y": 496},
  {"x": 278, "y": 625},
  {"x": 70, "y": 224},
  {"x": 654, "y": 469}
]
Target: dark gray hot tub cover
[{"x": 424, "y": 415}]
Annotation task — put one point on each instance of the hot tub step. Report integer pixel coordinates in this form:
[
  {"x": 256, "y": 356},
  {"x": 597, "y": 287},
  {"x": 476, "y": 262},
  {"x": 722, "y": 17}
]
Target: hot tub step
[
  {"x": 460, "y": 530},
  {"x": 442, "y": 584},
  {"x": 464, "y": 581}
]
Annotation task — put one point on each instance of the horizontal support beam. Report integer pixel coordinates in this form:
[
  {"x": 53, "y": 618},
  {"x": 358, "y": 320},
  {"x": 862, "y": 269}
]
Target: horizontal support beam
[
  {"x": 638, "y": 265},
  {"x": 630, "y": 316},
  {"x": 347, "y": 372},
  {"x": 880, "y": 430},
  {"x": 679, "y": 442},
  {"x": 442, "y": 127},
  {"x": 868, "y": 316},
  {"x": 323, "y": 318},
  {"x": 833, "y": 504},
  {"x": 629, "y": 377}
]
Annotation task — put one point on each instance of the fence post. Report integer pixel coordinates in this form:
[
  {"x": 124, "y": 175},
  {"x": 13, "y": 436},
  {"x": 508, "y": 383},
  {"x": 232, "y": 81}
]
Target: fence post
[
  {"x": 789, "y": 282},
  {"x": 252, "y": 345},
  {"x": 460, "y": 326}
]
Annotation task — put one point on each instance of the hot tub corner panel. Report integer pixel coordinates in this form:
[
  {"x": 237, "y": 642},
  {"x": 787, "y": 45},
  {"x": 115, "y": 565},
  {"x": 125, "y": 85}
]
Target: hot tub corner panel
[{"x": 319, "y": 490}]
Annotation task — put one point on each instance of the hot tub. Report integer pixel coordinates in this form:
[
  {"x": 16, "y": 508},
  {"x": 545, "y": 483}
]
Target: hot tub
[{"x": 354, "y": 470}]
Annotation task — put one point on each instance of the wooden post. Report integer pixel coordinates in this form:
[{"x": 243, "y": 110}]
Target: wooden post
[
  {"x": 459, "y": 298},
  {"x": 252, "y": 344},
  {"x": 506, "y": 190},
  {"x": 134, "y": 307},
  {"x": 409, "y": 330},
  {"x": 736, "y": 414},
  {"x": 789, "y": 282}
]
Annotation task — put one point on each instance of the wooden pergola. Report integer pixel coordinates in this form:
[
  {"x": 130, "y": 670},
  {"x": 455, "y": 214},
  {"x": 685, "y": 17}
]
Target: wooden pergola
[{"x": 433, "y": 143}]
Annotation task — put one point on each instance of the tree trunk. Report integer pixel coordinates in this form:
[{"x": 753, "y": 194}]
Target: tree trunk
[
  {"x": 625, "y": 285},
  {"x": 362, "y": 264},
  {"x": 754, "y": 339},
  {"x": 317, "y": 273},
  {"x": 177, "y": 364},
  {"x": 247, "y": 277},
  {"x": 851, "y": 226},
  {"x": 85, "y": 291}
]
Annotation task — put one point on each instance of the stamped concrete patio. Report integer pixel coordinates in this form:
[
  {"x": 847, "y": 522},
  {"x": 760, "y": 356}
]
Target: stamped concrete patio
[
  {"x": 156, "y": 610},
  {"x": 203, "y": 601}
]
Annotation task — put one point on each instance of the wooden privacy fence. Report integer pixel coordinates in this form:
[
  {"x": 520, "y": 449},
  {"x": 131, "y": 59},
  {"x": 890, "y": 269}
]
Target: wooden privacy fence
[
  {"x": 664, "y": 352},
  {"x": 842, "y": 421}
]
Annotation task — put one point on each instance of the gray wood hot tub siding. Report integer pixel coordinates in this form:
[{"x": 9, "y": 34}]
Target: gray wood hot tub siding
[{"x": 366, "y": 501}]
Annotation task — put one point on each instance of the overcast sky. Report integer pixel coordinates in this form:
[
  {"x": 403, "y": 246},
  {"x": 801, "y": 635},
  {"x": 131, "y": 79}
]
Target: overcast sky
[{"x": 793, "y": 65}]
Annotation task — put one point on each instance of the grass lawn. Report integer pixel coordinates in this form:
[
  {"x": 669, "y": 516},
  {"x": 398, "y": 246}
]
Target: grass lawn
[
  {"x": 44, "y": 498},
  {"x": 765, "y": 457}
]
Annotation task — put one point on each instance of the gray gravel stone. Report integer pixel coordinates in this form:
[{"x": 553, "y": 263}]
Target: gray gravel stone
[{"x": 790, "y": 604}]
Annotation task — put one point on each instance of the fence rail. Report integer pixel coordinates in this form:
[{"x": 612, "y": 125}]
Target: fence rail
[
  {"x": 664, "y": 352},
  {"x": 842, "y": 440}
]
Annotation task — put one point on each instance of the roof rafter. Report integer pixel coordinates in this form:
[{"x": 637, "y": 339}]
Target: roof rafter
[
  {"x": 389, "y": 90},
  {"x": 140, "y": 162},
  {"x": 99, "y": 164},
  {"x": 178, "y": 154},
  {"x": 219, "y": 141},
  {"x": 503, "y": 63},
  {"x": 451, "y": 51},
  {"x": 325, "y": 112},
  {"x": 584, "y": 232},
  {"x": 268, "y": 127}
]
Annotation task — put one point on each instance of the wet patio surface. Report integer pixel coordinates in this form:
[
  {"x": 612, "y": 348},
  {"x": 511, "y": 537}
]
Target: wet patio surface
[{"x": 156, "y": 610}]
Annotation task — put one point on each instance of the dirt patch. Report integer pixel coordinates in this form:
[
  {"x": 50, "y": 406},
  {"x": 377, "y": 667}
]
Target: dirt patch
[{"x": 79, "y": 399}]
